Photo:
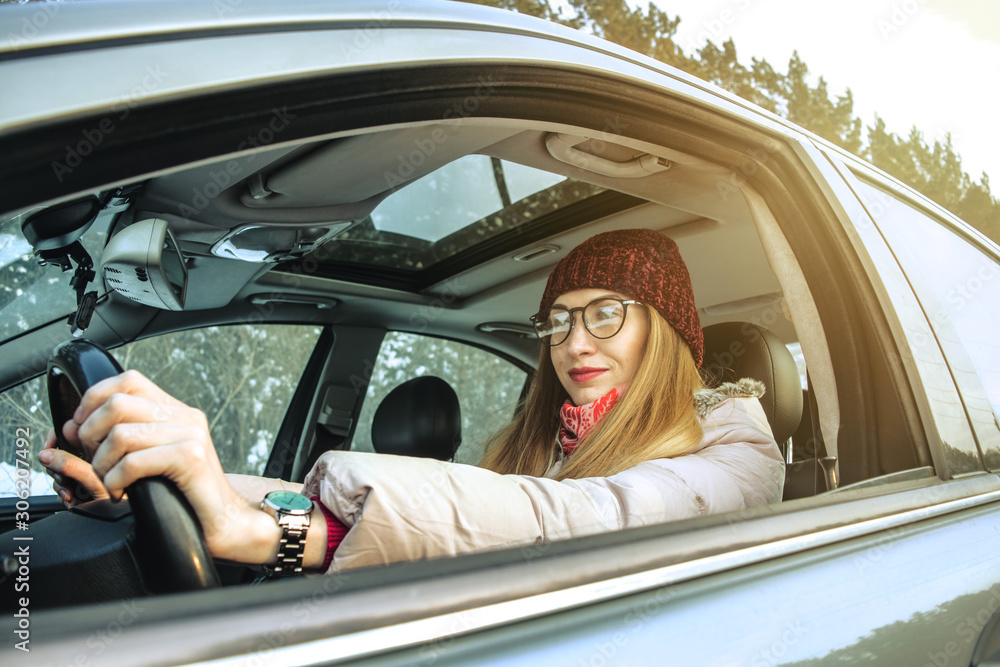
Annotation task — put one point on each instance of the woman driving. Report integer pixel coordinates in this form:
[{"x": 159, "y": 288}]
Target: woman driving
[{"x": 617, "y": 430}]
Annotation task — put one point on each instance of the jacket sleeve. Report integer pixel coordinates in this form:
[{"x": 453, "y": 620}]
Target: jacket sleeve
[{"x": 401, "y": 508}]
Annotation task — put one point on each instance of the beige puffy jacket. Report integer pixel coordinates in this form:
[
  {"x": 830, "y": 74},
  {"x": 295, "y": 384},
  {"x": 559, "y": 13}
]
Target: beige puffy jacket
[{"x": 401, "y": 508}]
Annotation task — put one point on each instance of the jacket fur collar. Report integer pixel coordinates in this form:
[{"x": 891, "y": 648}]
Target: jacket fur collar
[{"x": 706, "y": 400}]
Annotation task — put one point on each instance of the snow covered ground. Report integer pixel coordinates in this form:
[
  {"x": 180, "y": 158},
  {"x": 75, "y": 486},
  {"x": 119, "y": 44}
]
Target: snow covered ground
[{"x": 41, "y": 484}]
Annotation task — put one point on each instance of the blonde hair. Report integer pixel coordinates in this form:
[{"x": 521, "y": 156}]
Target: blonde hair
[{"x": 653, "y": 419}]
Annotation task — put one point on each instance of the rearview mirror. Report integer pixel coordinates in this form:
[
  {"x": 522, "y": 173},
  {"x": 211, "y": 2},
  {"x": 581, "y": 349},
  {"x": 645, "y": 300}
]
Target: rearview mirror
[{"x": 144, "y": 263}]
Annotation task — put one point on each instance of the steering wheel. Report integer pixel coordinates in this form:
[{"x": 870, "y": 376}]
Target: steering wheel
[{"x": 169, "y": 544}]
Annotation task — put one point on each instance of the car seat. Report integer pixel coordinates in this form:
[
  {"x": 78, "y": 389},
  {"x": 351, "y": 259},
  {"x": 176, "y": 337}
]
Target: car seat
[
  {"x": 735, "y": 350},
  {"x": 420, "y": 417}
]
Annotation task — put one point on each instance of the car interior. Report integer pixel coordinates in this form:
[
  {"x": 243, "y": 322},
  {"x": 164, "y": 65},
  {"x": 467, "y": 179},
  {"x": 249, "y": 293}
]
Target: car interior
[
  {"x": 449, "y": 229},
  {"x": 327, "y": 226}
]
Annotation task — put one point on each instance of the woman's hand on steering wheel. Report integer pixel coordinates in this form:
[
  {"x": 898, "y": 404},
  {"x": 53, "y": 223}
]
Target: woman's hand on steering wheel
[
  {"x": 132, "y": 429},
  {"x": 64, "y": 468}
]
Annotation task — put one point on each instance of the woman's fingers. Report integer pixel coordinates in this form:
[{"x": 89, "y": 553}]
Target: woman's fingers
[
  {"x": 129, "y": 438},
  {"x": 139, "y": 411},
  {"x": 131, "y": 383},
  {"x": 172, "y": 461},
  {"x": 132, "y": 429},
  {"x": 117, "y": 416},
  {"x": 63, "y": 467}
]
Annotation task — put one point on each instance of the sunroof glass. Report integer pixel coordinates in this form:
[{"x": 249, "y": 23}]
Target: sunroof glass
[
  {"x": 465, "y": 203},
  {"x": 457, "y": 196}
]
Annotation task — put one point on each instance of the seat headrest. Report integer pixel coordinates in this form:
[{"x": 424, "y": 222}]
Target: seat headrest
[
  {"x": 735, "y": 350},
  {"x": 420, "y": 417}
]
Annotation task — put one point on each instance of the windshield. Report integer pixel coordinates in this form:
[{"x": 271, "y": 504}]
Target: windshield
[{"x": 30, "y": 294}]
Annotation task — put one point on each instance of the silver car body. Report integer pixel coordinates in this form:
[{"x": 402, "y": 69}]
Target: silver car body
[{"x": 900, "y": 569}]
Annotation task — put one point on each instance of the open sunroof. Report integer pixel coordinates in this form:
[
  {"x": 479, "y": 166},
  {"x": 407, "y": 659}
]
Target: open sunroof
[{"x": 463, "y": 208}]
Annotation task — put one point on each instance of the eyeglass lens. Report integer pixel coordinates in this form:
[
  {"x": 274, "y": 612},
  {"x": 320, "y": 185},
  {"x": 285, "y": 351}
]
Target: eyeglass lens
[{"x": 603, "y": 319}]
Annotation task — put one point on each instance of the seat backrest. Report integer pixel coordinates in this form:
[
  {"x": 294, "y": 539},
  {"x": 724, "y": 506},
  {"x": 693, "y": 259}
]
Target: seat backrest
[
  {"x": 735, "y": 350},
  {"x": 420, "y": 417}
]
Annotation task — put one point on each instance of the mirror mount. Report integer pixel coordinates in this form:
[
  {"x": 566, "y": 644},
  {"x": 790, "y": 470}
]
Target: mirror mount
[{"x": 55, "y": 234}]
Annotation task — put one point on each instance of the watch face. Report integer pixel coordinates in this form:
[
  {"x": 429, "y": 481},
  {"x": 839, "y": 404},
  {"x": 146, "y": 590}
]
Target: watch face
[{"x": 289, "y": 500}]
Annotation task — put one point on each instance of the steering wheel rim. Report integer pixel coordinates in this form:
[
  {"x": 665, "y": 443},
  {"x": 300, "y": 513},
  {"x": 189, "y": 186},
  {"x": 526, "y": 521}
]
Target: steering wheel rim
[{"x": 169, "y": 542}]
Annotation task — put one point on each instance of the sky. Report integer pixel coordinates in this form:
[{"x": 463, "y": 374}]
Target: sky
[{"x": 933, "y": 64}]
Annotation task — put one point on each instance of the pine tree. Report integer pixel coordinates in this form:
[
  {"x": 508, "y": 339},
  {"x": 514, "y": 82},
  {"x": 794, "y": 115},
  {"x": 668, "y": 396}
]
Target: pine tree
[{"x": 936, "y": 170}]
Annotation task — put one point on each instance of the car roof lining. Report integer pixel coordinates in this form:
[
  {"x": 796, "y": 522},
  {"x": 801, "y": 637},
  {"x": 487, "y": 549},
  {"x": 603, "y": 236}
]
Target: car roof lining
[
  {"x": 362, "y": 152},
  {"x": 713, "y": 230}
]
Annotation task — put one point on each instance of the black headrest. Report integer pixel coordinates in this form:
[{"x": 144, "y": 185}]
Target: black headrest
[
  {"x": 420, "y": 417},
  {"x": 735, "y": 350}
]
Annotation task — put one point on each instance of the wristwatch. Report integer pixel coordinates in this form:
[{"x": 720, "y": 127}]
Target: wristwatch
[{"x": 292, "y": 511}]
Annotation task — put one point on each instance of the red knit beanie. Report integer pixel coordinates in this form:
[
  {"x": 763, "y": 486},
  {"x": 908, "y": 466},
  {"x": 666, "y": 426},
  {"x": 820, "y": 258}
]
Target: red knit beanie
[{"x": 639, "y": 263}]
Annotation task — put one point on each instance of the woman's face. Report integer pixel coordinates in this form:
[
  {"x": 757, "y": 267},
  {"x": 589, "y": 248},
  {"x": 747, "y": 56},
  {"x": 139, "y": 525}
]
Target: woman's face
[{"x": 590, "y": 367}]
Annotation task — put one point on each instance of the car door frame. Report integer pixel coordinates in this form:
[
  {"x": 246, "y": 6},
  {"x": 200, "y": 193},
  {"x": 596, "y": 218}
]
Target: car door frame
[{"x": 348, "y": 616}]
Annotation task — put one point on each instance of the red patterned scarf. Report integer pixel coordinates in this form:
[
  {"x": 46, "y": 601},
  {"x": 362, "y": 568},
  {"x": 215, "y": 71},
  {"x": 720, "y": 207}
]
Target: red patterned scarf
[{"x": 579, "y": 420}]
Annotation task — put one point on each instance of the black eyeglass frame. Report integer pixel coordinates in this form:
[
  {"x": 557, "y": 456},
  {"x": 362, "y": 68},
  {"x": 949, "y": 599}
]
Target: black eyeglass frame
[{"x": 535, "y": 319}]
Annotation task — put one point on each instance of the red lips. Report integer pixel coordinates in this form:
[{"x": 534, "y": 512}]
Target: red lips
[{"x": 585, "y": 373}]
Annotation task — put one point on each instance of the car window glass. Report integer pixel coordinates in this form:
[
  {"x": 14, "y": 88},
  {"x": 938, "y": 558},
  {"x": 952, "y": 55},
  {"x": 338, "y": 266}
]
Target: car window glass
[
  {"x": 32, "y": 294},
  {"x": 242, "y": 377},
  {"x": 956, "y": 283},
  {"x": 800, "y": 361},
  {"x": 487, "y": 386}
]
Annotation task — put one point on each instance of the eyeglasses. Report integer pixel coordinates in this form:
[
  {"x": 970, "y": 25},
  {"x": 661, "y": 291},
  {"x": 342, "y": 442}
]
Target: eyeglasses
[{"x": 603, "y": 318}]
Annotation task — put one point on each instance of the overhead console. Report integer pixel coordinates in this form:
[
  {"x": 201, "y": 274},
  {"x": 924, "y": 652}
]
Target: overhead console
[{"x": 145, "y": 263}]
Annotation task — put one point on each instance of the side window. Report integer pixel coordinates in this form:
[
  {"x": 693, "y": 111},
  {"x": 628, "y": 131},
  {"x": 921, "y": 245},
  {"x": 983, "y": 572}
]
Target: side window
[
  {"x": 487, "y": 386},
  {"x": 241, "y": 376},
  {"x": 956, "y": 282}
]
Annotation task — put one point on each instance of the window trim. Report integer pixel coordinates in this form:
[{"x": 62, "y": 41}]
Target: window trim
[
  {"x": 347, "y": 612},
  {"x": 365, "y": 643}
]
